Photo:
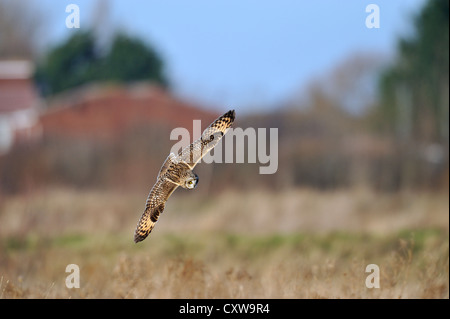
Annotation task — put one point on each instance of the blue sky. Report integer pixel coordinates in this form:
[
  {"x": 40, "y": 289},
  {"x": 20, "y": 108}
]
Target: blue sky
[{"x": 229, "y": 53}]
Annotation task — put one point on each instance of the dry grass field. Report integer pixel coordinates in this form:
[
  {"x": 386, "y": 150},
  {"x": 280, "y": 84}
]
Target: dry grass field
[{"x": 296, "y": 244}]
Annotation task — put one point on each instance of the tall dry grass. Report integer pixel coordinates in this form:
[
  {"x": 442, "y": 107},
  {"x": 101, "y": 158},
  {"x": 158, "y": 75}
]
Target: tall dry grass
[{"x": 295, "y": 244}]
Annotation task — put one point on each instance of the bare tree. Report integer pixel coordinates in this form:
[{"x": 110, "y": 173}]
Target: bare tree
[{"x": 21, "y": 26}]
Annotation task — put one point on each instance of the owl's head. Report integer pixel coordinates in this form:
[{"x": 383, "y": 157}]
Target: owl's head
[{"x": 191, "y": 181}]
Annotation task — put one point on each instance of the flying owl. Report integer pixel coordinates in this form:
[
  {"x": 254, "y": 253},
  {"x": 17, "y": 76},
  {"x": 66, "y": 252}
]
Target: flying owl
[{"x": 177, "y": 171}]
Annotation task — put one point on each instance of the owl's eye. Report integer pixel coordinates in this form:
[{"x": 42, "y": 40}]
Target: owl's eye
[{"x": 191, "y": 184}]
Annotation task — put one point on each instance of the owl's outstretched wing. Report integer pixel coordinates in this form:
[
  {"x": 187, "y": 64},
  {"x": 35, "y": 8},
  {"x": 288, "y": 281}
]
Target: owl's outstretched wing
[
  {"x": 211, "y": 136},
  {"x": 154, "y": 206}
]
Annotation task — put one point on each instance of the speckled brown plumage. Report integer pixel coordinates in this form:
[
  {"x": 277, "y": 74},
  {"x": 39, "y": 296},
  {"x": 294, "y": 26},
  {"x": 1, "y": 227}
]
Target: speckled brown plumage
[{"x": 177, "y": 171}]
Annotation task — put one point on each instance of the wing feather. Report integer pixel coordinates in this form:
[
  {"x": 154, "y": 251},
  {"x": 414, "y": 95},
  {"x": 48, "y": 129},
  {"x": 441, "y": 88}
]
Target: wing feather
[
  {"x": 171, "y": 159},
  {"x": 211, "y": 136},
  {"x": 154, "y": 206}
]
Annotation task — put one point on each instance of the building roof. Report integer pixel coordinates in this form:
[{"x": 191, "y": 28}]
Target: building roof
[
  {"x": 107, "y": 111},
  {"x": 16, "y": 69},
  {"x": 17, "y": 91}
]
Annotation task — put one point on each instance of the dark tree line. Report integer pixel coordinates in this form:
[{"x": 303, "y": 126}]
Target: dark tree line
[
  {"x": 79, "y": 60},
  {"x": 415, "y": 91}
]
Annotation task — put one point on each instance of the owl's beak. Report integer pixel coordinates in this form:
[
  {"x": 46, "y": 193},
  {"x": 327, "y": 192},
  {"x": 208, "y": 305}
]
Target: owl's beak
[{"x": 196, "y": 181}]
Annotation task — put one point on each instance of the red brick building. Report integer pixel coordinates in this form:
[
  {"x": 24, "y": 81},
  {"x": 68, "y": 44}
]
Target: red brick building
[{"x": 102, "y": 111}]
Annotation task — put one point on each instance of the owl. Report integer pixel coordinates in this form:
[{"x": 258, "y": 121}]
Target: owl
[{"x": 177, "y": 171}]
